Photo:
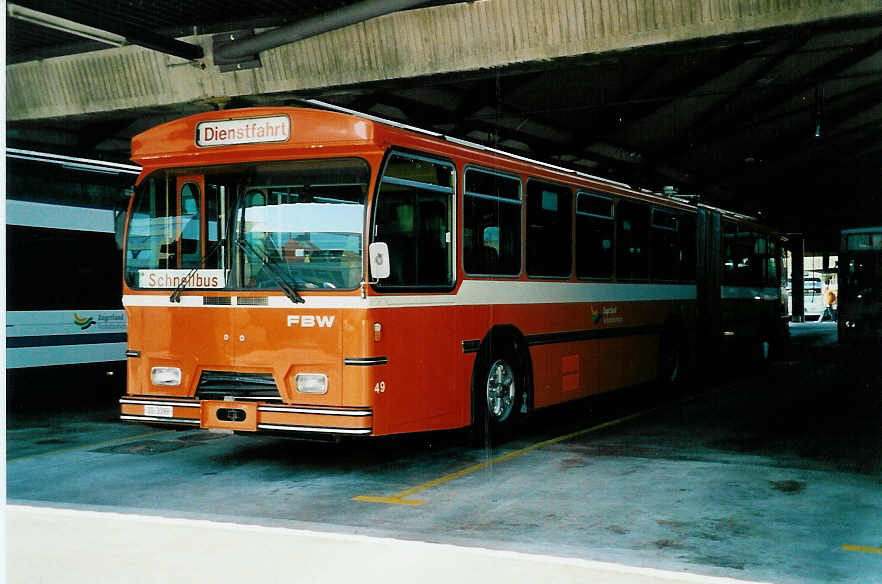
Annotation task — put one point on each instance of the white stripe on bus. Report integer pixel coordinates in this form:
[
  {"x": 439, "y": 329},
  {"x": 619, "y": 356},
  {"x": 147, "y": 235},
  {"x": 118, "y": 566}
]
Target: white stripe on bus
[
  {"x": 64, "y": 355},
  {"x": 28, "y": 214},
  {"x": 471, "y": 293}
]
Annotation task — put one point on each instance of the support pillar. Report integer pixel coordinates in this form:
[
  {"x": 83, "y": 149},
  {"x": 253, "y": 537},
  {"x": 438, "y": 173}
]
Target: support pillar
[{"x": 797, "y": 269}]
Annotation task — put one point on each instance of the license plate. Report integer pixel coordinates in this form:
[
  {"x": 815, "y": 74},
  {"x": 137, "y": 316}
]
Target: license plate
[{"x": 159, "y": 411}]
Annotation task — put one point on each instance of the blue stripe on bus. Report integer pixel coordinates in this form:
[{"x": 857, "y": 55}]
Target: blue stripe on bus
[{"x": 58, "y": 340}]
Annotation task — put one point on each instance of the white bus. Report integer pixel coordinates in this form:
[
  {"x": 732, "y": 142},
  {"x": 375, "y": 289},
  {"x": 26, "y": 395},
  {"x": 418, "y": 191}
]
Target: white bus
[{"x": 64, "y": 316}]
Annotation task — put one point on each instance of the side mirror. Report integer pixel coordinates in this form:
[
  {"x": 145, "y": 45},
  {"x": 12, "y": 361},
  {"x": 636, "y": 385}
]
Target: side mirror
[{"x": 378, "y": 252}]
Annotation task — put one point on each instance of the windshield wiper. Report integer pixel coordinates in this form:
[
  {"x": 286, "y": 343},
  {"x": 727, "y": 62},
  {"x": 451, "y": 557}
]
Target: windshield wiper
[
  {"x": 286, "y": 286},
  {"x": 179, "y": 289}
]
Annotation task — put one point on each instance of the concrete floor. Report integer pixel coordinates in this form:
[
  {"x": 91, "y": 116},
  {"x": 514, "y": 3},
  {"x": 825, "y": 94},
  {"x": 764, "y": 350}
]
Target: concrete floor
[{"x": 773, "y": 476}]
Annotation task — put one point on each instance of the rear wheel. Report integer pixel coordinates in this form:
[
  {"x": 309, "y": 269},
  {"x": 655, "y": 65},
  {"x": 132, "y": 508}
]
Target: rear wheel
[
  {"x": 762, "y": 350},
  {"x": 670, "y": 360}
]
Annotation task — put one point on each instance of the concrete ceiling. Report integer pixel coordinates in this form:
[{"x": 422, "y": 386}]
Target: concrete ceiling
[{"x": 783, "y": 122}]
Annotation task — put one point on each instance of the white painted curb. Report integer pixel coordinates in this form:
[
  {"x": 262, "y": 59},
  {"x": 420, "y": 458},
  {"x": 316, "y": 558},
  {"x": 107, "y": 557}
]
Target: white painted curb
[{"x": 73, "y": 546}]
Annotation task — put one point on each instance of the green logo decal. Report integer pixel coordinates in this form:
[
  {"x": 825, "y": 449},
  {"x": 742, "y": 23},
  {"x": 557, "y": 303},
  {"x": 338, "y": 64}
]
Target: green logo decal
[{"x": 83, "y": 322}]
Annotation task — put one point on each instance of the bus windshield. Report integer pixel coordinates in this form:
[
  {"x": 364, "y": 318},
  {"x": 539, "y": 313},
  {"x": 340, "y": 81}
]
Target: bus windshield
[
  {"x": 861, "y": 265},
  {"x": 250, "y": 226},
  {"x": 863, "y": 276}
]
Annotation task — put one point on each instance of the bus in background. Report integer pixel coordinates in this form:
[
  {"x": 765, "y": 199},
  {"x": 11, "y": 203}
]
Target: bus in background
[
  {"x": 312, "y": 272},
  {"x": 860, "y": 285},
  {"x": 64, "y": 315},
  {"x": 754, "y": 308}
]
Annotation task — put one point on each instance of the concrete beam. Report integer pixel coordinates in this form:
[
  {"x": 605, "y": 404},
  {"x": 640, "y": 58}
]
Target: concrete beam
[{"x": 439, "y": 40}]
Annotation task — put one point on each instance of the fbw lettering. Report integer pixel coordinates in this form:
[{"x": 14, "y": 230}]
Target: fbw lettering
[{"x": 311, "y": 320}]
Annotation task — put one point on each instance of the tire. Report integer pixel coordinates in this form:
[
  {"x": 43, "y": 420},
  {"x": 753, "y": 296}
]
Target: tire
[
  {"x": 762, "y": 351},
  {"x": 671, "y": 359},
  {"x": 498, "y": 397},
  {"x": 765, "y": 350}
]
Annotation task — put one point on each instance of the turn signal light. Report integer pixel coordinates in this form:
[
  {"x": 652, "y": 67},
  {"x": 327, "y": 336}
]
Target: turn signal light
[{"x": 378, "y": 332}]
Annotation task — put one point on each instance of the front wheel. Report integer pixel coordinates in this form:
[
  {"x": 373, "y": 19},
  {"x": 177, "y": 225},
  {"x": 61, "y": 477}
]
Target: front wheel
[
  {"x": 499, "y": 398},
  {"x": 500, "y": 391}
]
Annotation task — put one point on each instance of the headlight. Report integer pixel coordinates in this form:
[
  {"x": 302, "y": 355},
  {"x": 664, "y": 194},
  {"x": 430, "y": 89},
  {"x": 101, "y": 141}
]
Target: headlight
[
  {"x": 311, "y": 383},
  {"x": 165, "y": 376}
]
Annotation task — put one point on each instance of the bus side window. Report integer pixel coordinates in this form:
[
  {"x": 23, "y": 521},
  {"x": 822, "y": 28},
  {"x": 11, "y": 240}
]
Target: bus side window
[
  {"x": 757, "y": 275},
  {"x": 772, "y": 271},
  {"x": 492, "y": 224},
  {"x": 396, "y": 227},
  {"x": 665, "y": 242},
  {"x": 688, "y": 245},
  {"x": 730, "y": 261},
  {"x": 549, "y": 229},
  {"x": 595, "y": 233},
  {"x": 632, "y": 257},
  {"x": 414, "y": 218},
  {"x": 745, "y": 257}
]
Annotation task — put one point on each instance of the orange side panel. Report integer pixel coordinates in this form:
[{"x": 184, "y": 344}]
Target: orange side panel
[
  {"x": 570, "y": 372},
  {"x": 417, "y": 389}
]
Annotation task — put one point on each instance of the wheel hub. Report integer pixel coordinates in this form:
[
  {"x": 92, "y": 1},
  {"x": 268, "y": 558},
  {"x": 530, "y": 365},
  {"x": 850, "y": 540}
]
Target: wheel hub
[{"x": 500, "y": 390}]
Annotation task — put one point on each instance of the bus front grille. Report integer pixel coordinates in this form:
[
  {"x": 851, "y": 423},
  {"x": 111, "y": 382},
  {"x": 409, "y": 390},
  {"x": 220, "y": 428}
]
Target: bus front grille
[
  {"x": 217, "y": 301},
  {"x": 218, "y": 385},
  {"x": 252, "y": 300}
]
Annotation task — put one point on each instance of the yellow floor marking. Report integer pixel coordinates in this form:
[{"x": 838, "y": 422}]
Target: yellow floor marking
[
  {"x": 389, "y": 500},
  {"x": 95, "y": 445},
  {"x": 862, "y": 548},
  {"x": 399, "y": 498}
]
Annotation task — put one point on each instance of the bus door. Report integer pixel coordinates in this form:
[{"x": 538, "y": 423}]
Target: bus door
[
  {"x": 190, "y": 225},
  {"x": 414, "y": 216},
  {"x": 207, "y": 330}
]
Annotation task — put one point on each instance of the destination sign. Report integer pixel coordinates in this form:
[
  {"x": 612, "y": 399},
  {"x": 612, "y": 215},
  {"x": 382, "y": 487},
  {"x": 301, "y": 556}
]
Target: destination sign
[
  {"x": 174, "y": 278},
  {"x": 243, "y": 131}
]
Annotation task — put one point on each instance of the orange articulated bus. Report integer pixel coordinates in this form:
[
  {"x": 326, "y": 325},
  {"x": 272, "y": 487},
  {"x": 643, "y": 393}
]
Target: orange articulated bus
[{"x": 313, "y": 272}]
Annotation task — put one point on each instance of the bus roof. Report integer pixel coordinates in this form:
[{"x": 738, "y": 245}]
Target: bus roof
[
  {"x": 266, "y": 133},
  {"x": 862, "y": 230},
  {"x": 229, "y": 135}
]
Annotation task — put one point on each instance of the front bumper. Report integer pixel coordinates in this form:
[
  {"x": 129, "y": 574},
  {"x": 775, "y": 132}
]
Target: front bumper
[{"x": 246, "y": 416}]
